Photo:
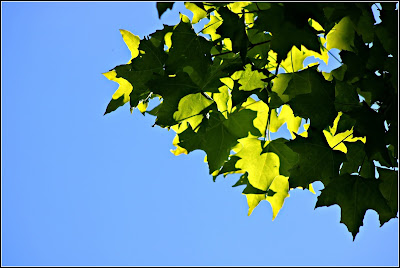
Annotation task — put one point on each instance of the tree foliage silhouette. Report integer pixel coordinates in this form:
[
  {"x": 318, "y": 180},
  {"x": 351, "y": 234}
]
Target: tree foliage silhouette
[{"x": 221, "y": 92}]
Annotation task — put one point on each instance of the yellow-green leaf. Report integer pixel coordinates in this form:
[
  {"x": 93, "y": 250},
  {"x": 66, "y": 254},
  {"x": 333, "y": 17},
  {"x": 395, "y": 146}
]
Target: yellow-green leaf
[
  {"x": 253, "y": 200},
  {"x": 285, "y": 116},
  {"x": 132, "y": 41},
  {"x": 198, "y": 13},
  {"x": 211, "y": 27},
  {"x": 121, "y": 95},
  {"x": 262, "y": 168},
  {"x": 280, "y": 186},
  {"x": 341, "y": 36}
]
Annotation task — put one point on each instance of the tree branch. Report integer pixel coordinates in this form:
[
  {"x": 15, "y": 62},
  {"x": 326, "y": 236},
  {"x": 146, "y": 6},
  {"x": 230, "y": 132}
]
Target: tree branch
[{"x": 249, "y": 48}]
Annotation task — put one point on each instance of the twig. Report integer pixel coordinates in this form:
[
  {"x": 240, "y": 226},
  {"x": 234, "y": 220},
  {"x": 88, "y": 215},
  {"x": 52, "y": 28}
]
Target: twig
[{"x": 250, "y": 47}]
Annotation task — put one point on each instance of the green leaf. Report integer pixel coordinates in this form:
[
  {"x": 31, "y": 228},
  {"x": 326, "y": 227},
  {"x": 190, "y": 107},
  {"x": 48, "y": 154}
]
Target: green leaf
[
  {"x": 121, "y": 96},
  {"x": 189, "y": 53},
  {"x": 172, "y": 89},
  {"x": 249, "y": 79},
  {"x": 233, "y": 28},
  {"x": 218, "y": 135},
  {"x": 163, "y": 6},
  {"x": 318, "y": 105},
  {"x": 346, "y": 97},
  {"x": 280, "y": 84},
  {"x": 285, "y": 33},
  {"x": 206, "y": 89},
  {"x": 280, "y": 186},
  {"x": 371, "y": 125},
  {"x": 357, "y": 161},
  {"x": 190, "y": 106},
  {"x": 285, "y": 116},
  {"x": 345, "y": 123},
  {"x": 261, "y": 167},
  {"x": 132, "y": 41},
  {"x": 387, "y": 31},
  {"x": 276, "y": 194},
  {"x": 317, "y": 160},
  {"x": 211, "y": 27},
  {"x": 216, "y": 73},
  {"x": 228, "y": 168},
  {"x": 287, "y": 158},
  {"x": 260, "y": 122},
  {"x": 259, "y": 52},
  {"x": 355, "y": 195},
  {"x": 389, "y": 188},
  {"x": 141, "y": 69},
  {"x": 197, "y": 10},
  {"x": 243, "y": 180},
  {"x": 341, "y": 36}
]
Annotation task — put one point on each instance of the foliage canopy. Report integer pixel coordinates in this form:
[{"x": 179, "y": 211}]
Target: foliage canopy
[{"x": 221, "y": 92}]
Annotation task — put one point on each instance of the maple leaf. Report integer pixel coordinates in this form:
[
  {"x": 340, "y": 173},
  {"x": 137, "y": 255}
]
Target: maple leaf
[
  {"x": 141, "y": 69},
  {"x": 121, "y": 96},
  {"x": 285, "y": 33},
  {"x": 197, "y": 10},
  {"x": 218, "y": 135},
  {"x": 287, "y": 158},
  {"x": 389, "y": 188},
  {"x": 317, "y": 160},
  {"x": 221, "y": 95},
  {"x": 249, "y": 79},
  {"x": 346, "y": 97},
  {"x": 276, "y": 194},
  {"x": 233, "y": 28},
  {"x": 163, "y": 6},
  {"x": 371, "y": 125},
  {"x": 355, "y": 195},
  {"x": 357, "y": 161},
  {"x": 318, "y": 105},
  {"x": 189, "y": 52},
  {"x": 262, "y": 168},
  {"x": 341, "y": 36},
  {"x": 285, "y": 116},
  {"x": 172, "y": 89}
]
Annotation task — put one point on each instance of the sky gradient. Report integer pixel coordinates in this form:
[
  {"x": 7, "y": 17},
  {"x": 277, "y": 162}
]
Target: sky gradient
[{"x": 80, "y": 188}]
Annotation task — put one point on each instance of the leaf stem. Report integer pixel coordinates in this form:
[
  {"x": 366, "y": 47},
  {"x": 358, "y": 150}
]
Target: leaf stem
[
  {"x": 377, "y": 7},
  {"x": 291, "y": 58},
  {"x": 362, "y": 163},
  {"x": 331, "y": 54},
  {"x": 342, "y": 140}
]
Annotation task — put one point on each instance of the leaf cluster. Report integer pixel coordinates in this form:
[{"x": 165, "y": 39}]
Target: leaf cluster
[{"x": 221, "y": 92}]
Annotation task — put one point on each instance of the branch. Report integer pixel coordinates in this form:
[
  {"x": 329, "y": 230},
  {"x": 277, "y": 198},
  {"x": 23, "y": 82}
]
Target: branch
[{"x": 249, "y": 48}]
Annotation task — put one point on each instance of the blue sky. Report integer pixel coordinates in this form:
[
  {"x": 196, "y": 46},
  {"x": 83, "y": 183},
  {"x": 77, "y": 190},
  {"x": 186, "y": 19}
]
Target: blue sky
[{"x": 80, "y": 188}]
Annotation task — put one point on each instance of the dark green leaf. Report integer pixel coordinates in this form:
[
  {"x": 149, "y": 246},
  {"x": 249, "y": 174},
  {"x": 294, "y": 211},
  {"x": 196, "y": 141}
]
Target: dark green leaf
[
  {"x": 355, "y": 195},
  {"x": 233, "y": 28},
  {"x": 317, "y": 160},
  {"x": 357, "y": 161},
  {"x": 163, "y": 6},
  {"x": 218, "y": 135},
  {"x": 389, "y": 188},
  {"x": 318, "y": 105},
  {"x": 287, "y": 157}
]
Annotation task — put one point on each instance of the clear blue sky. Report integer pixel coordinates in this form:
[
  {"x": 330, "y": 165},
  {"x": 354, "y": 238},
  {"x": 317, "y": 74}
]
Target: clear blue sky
[{"x": 80, "y": 188}]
